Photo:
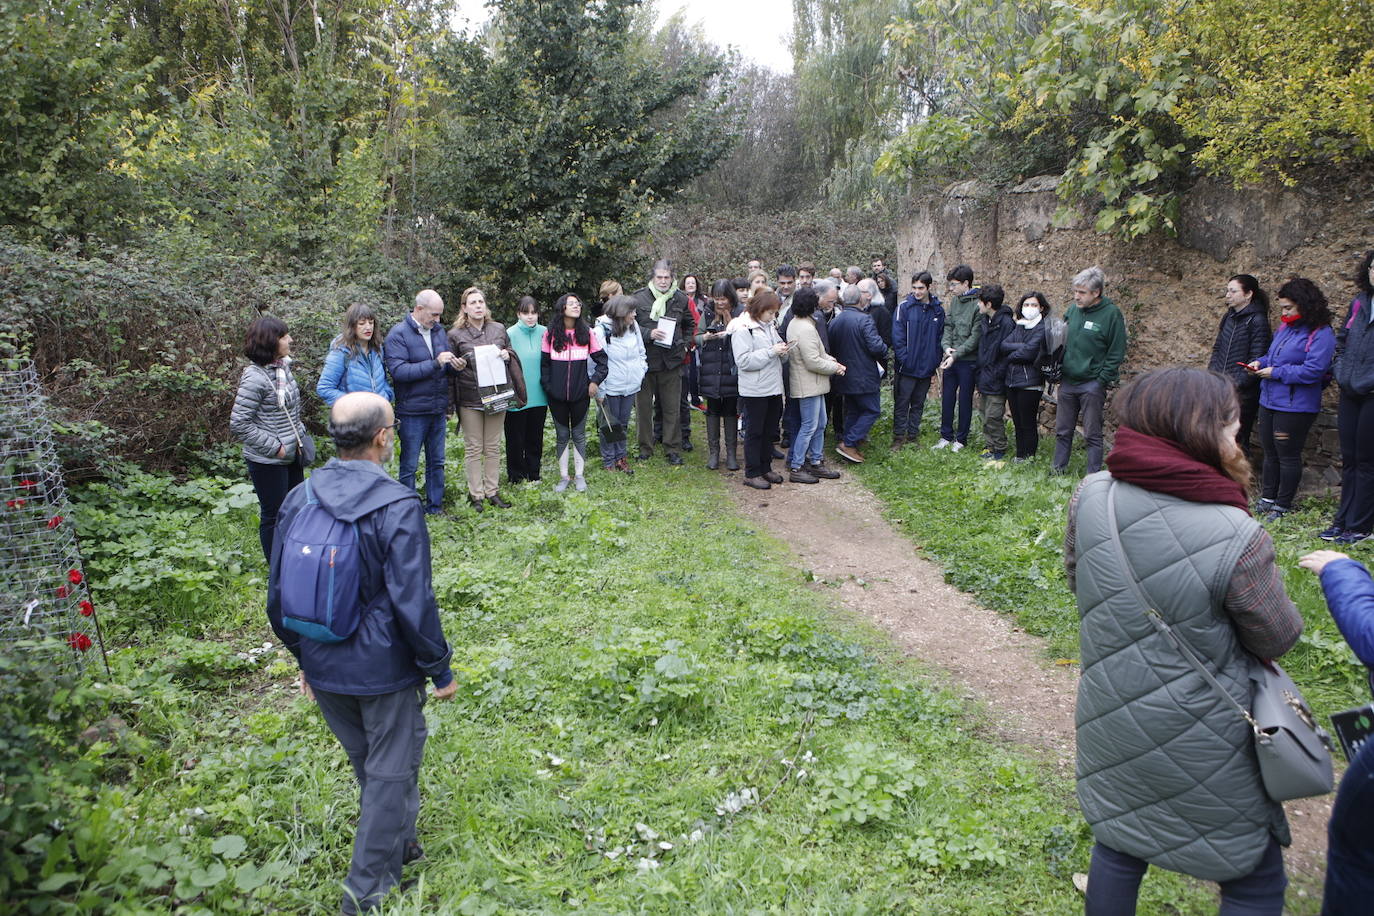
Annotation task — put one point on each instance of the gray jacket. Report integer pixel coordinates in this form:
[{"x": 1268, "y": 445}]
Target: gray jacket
[
  {"x": 759, "y": 368},
  {"x": 258, "y": 419},
  {"x": 1166, "y": 768}
]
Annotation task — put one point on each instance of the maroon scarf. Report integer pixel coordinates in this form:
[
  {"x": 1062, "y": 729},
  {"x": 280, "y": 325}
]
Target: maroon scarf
[{"x": 1160, "y": 465}]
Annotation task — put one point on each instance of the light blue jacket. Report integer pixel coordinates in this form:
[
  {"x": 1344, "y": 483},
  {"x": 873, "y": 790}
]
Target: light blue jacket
[
  {"x": 345, "y": 372},
  {"x": 626, "y": 359}
]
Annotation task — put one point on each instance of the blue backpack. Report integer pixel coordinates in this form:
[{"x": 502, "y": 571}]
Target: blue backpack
[{"x": 320, "y": 574}]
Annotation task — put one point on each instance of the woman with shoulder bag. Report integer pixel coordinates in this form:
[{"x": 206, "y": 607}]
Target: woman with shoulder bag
[
  {"x": 483, "y": 424},
  {"x": 266, "y": 418},
  {"x": 1161, "y": 546}
]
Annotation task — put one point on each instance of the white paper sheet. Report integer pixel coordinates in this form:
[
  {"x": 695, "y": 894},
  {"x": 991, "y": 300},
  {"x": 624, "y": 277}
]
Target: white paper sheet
[
  {"x": 668, "y": 326},
  {"x": 491, "y": 369}
]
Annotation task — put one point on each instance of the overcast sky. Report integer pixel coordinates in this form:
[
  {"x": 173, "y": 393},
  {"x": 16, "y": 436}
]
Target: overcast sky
[{"x": 760, "y": 29}]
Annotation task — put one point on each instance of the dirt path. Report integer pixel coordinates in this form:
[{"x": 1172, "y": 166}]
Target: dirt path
[{"x": 837, "y": 531}]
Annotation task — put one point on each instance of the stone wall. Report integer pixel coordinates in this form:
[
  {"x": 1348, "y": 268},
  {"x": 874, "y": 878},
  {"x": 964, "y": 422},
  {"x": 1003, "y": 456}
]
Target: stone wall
[{"x": 1170, "y": 290}]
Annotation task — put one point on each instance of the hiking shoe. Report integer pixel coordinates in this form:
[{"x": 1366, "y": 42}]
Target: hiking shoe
[
  {"x": 777, "y": 453},
  {"x": 955, "y": 446},
  {"x": 819, "y": 469},
  {"x": 413, "y": 853},
  {"x": 1331, "y": 532},
  {"x": 773, "y": 477},
  {"x": 675, "y": 459},
  {"x": 475, "y": 503},
  {"x": 943, "y": 443},
  {"x": 758, "y": 483},
  {"x": 898, "y": 442},
  {"x": 561, "y": 485},
  {"x": 498, "y": 502},
  {"x": 849, "y": 453},
  {"x": 1276, "y": 513},
  {"x": 1351, "y": 537},
  {"x": 801, "y": 475},
  {"x": 645, "y": 454},
  {"x": 686, "y": 445},
  {"x": 1262, "y": 506},
  {"x": 623, "y": 465}
]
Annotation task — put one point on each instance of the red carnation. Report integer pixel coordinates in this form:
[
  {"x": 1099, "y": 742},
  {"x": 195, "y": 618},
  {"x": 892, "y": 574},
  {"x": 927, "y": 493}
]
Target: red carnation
[
  {"x": 28, "y": 483},
  {"x": 62, "y": 591},
  {"x": 54, "y": 522},
  {"x": 87, "y": 609},
  {"x": 74, "y": 576},
  {"x": 9, "y": 504},
  {"x": 79, "y": 641}
]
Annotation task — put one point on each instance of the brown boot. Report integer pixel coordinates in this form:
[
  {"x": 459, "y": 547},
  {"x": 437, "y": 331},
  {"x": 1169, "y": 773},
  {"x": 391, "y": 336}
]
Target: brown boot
[{"x": 898, "y": 442}]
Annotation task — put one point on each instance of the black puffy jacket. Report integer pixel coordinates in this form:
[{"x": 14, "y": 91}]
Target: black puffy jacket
[
  {"x": 718, "y": 378},
  {"x": 1244, "y": 335},
  {"x": 991, "y": 374},
  {"x": 1024, "y": 348}
]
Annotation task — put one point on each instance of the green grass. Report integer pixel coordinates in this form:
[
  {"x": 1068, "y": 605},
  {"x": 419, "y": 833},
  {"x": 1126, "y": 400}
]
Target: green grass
[
  {"x": 999, "y": 533},
  {"x": 637, "y": 667}
]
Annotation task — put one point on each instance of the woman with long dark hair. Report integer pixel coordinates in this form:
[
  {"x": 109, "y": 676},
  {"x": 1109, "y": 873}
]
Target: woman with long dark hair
[
  {"x": 1243, "y": 336},
  {"x": 354, "y": 361},
  {"x": 1354, "y": 372},
  {"x": 719, "y": 385},
  {"x": 267, "y": 419},
  {"x": 483, "y": 423},
  {"x": 571, "y": 368},
  {"x": 1291, "y": 379},
  {"x": 1166, "y": 767}
]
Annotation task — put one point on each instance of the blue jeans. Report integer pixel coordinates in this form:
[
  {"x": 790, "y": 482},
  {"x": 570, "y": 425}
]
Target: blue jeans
[
  {"x": 791, "y": 419},
  {"x": 427, "y": 431},
  {"x": 956, "y": 385},
  {"x": 618, "y": 409},
  {"x": 860, "y": 413},
  {"x": 1114, "y": 882},
  {"x": 809, "y": 440},
  {"x": 1350, "y": 840}
]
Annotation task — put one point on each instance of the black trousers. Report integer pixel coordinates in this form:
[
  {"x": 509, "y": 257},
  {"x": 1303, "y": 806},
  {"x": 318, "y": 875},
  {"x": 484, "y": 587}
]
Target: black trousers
[
  {"x": 1249, "y": 412},
  {"x": 761, "y": 415},
  {"x": 272, "y": 482},
  {"x": 1355, "y": 420},
  {"x": 908, "y": 402},
  {"x": 1025, "y": 416},
  {"x": 1282, "y": 436},
  {"x": 524, "y": 443}
]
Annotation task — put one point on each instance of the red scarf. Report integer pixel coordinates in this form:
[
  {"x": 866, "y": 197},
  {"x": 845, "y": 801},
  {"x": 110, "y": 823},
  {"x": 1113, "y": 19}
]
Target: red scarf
[{"x": 1160, "y": 465}]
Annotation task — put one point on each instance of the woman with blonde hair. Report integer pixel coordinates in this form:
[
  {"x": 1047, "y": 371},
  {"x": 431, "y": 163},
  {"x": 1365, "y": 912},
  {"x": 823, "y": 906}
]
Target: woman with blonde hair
[{"x": 482, "y": 421}]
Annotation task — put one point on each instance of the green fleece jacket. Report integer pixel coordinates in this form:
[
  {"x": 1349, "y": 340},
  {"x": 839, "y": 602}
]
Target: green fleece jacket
[
  {"x": 1095, "y": 345},
  {"x": 962, "y": 327}
]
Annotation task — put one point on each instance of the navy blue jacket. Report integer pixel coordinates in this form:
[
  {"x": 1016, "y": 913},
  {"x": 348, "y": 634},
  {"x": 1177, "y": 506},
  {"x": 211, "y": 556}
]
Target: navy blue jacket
[
  {"x": 855, "y": 342},
  {"x": 1350, "y": 596},
  {"x": 916, "y": 331},
  {"x": 399, "y": 642},
  {"x": 991, "y": 374},
  {"x": 1354, "y": 368},
  {"x": 421, "y": 384}
]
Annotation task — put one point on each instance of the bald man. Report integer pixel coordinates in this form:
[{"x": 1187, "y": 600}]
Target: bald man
[
  {"x": 419, "y": 361},
  {"x": 370, "y": 685}
]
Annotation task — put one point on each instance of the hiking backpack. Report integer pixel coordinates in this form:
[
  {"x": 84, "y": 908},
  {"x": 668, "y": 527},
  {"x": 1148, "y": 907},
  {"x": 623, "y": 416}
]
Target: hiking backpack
[{"x": 320, "y": 575}]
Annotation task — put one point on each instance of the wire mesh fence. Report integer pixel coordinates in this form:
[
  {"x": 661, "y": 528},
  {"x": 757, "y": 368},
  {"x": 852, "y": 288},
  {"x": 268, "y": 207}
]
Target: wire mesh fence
[{"x": 45, "y": 601}]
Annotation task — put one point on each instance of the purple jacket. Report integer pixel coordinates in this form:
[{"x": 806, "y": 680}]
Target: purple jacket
[{"x": 1301, "y": 357}]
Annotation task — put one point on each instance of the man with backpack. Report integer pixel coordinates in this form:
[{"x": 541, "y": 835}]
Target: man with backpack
[{"x": 349, "y": 595}]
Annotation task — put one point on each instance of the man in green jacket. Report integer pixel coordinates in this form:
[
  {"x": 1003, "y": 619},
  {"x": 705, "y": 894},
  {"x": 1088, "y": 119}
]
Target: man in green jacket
[
  {"x": 960, "y": 343},
  {"x": 1094, "y": 348}
]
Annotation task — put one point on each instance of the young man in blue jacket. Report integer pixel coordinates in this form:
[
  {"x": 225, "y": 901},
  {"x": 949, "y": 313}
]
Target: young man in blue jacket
[
  {"x": 371, "y": 685},
  {"x": 917, "y": 328},
  {"x": 419, "y": 361}
]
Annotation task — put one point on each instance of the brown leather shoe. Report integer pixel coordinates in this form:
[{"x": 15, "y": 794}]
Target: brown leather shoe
[
  {"x": 758, "y": 483},
  {"x": 849, "y": 453}
]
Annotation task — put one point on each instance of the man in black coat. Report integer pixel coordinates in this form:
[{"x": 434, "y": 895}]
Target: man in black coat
[
  {"x": 666, "y": 352},
  {"x": 855, "y": 342}
]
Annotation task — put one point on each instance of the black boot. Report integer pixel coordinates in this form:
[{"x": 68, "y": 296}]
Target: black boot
[
  {"x": 731, "y": 443},
  {"x": 712, "y": 441}
]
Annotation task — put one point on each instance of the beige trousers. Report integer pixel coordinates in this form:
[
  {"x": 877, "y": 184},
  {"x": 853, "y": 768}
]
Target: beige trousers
[{"x": 482, "y": 450}]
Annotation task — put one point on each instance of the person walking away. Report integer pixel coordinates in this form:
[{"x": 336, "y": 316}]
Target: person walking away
[
  {"x": 483, "y": 423},
  {"x": 855, "y": 342},
  {"x": 420, "y": 364},
  {"x": 759, "y": 356},
  {"x": 1094, "y": 348},
  {"x": 572, "y": 367},
  {"x": 525, "y": 423},
  {"x": 1350, "y": 833},
  {"x": 1025, "y": 349},
  {"x": 917, "y": 328},
  {"x": 369, "y": 681},
  {"x": 626, "y": 363},
  {"x": 991, "y": 373},
  {"x": 1354, "y": 371},
  {"x": 1166, "y": 770},
  {"x": 810, "y": 368},
  {"x": 1243, "y": 336},
  {"x": 354, "y": 361},
  {"x": 266, "y": 418},
  {"x": 719, "y": 385},
  {"x": 960, "y": 342},
  {"x": 661, "y": 299}
]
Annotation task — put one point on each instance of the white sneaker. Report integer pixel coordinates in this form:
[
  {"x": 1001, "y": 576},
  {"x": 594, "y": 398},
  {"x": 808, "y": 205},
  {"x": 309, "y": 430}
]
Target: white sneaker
[
  {"x": 943, "y": 443},
  {"x": 955, "y": 446}
]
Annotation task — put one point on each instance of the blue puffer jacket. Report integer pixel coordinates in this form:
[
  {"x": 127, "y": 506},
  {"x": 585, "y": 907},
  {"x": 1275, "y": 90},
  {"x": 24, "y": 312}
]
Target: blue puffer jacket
[
  {"x": 399, "y": 642},
  {"x": 421, "y": 383},
  {"x": 345, "y": 372},
  {"x": 1350, "y": 596},
  {"x": 1300, "y": 357},
  {"x": 916, "y": 334}
]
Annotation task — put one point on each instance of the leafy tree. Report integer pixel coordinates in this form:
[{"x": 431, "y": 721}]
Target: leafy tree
[{"x": 559, "y": 139}]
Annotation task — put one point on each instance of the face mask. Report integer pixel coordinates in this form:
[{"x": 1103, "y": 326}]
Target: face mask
[
  {"x": 1291, "y": 319},
  {"x": 1030, "y": 312}
]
